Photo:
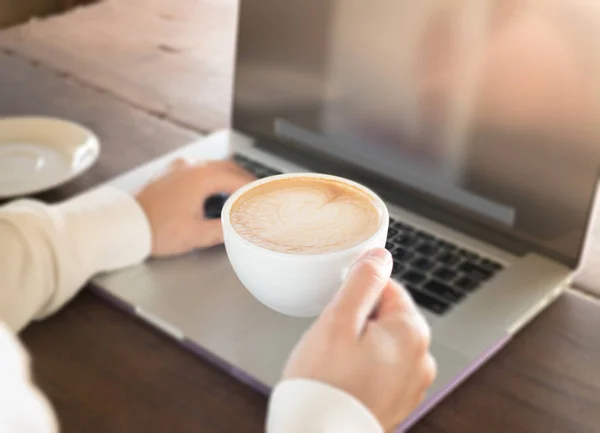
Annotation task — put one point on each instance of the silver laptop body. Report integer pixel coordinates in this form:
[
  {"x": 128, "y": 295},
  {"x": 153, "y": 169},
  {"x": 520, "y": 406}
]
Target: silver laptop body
[{"x": 520, "y": 266}]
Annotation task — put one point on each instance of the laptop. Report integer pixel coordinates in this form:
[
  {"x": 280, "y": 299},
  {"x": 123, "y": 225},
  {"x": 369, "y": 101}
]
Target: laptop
[{"x": 489, "y": 213}]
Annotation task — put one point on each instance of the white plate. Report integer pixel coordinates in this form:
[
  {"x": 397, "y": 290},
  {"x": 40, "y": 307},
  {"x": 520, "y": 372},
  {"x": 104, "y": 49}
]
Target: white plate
[{"x": 39, "y": 153}]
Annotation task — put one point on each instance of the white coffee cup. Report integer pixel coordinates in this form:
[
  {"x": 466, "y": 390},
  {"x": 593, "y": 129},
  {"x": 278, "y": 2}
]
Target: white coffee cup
[{"x": 292, "y": 284}]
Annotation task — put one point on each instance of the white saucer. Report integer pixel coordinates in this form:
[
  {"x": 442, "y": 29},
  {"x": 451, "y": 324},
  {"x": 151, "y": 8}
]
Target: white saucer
[{"x": 39, "y": 153}]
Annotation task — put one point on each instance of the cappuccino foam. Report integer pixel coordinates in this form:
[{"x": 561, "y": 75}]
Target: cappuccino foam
[{"x": 305, "y": 215}]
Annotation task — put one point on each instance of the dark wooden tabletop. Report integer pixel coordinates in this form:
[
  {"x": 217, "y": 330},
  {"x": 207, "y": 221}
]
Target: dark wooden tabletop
[{"x": 105, "y": 371}]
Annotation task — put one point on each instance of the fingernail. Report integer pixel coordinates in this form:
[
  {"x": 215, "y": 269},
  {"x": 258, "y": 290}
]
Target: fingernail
[{"x": 379, "y": 255}]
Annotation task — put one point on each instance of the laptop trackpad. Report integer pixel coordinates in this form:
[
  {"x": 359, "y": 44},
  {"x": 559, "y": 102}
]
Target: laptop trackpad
[{"x": 199, "y": 297}]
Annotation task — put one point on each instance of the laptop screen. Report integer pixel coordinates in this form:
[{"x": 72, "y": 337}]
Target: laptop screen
[{"x": 490, "y": 107}]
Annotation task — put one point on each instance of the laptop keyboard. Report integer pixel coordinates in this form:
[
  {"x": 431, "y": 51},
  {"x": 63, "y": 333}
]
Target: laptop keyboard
[
  {"x": 257, "y": 169},
  {"x": 438, "y": 274}
]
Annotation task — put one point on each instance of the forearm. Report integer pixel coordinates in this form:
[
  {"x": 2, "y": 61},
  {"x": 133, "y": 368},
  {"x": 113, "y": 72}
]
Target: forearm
[{"x": 48, "y": 252}]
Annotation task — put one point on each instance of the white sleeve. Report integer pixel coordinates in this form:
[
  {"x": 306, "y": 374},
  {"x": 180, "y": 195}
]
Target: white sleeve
[
  {"x": 47, "y": 252},
  {"x": 307, "y": 406},
  {"x": 23, "y": 408}
]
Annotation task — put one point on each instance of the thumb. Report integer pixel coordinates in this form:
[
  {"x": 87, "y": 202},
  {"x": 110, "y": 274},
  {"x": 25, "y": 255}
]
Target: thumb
[{"x": 362, "y": 290}]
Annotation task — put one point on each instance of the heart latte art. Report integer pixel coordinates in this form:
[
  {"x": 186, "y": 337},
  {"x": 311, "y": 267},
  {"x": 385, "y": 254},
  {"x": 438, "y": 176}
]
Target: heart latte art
[{"x": 305, "y": 215}]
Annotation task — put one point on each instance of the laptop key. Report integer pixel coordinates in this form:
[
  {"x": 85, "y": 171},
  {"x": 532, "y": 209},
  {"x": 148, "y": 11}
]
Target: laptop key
[
  {"x": 397, "y": 225},
  {"x": 401, "y": 239},
  {"x": 406, "y": 240},
  {"x": 448, "y": 258},
  {"x": 256, "y": 171},
  {"x": 240, "y": 159},
  {"x": 447, "y": 245},
  {"x": 261, "y": 174},
  {"x": 466, "y": 284},
  {"x": 443, "y": 291},
  {"x": 397, "y": 268},
  {"x": 427, "y": 249},
  {"x": 428, "y": 237},
  {"x": 389, "y": 246},
  {"x": 392, "y": 232},
  {"x": 475, "y": 271},
  {"x": 430, "y": 303},
  {"x": 243, "y": 164},
  {"x": 401, "y": 255},
  {"x": 471, "y": 256},
  {"x": 413, "y": 277},
  {"x": 491, "y": 265},
  {"x": 423, "y": 264},
  {"x": 445, "y": 274},
  {"x": 254, "y": 166}
]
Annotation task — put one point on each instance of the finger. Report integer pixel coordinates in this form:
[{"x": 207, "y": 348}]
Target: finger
[
  {"x": 361, "y": 291},
  {"x": 395, "y": 299},
  {"x": 206, "y": 234},
  {"x": 410, "y": 330},
  {"x": 226, "y": 182}
]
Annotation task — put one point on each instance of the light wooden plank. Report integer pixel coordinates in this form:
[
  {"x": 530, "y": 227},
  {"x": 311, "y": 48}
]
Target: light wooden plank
[{"x": 172, "y": 58}]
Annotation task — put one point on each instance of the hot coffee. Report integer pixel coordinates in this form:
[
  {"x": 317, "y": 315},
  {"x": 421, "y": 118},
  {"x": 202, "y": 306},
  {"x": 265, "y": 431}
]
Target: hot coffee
[{"x": 306, "y": 215}]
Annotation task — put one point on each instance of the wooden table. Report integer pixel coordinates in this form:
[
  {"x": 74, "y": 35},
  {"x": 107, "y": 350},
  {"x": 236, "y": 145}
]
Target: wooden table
[
  {"x": 107, "y": 372},
  {"x": 173, "y": 59}
]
